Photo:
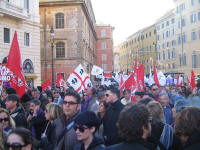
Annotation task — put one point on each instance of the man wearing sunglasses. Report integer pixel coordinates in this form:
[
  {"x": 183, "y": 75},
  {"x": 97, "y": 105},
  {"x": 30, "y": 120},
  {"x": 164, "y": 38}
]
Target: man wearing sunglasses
[
  {"x": 110, "y": 130},
  {"x": 155, "y": 91},
  {"x": 86, "y": 125},
  {"x": 64, "y": 133}
]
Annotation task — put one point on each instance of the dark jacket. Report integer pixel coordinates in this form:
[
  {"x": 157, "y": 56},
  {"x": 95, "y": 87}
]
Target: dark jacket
[
  {"x": 48, "y": 141},
  {"x": 110, "y": 130},
  {"x": 69, "y": 139},
  {"x": 97, "y": 144},
  {"x": 193, "y": 142},
  {"x": 38, "y": 123},
  {"x": 131, "y": 146},
  {"x": 19, "y": 117}
]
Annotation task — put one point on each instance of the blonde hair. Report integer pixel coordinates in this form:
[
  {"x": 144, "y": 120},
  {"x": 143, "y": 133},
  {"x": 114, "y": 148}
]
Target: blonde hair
[
  {"x": 156, "y": 110},
  {"x": 11, "y": 121},
  {"x": 54, "y": 111}
]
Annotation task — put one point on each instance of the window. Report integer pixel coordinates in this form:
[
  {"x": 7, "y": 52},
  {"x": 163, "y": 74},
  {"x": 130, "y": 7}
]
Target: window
[
  {"x": 193, "y": 35},
  {"x": 194, "y": 61},
  {"x": 168, "y": 54},
  {"x": 163, "y": 25},
  {"x": 158, "y": 37},
  {"x": 173, "y": 53},
  {"x": 179, "y": 39},
  {"x": 150, "y": 48},
  {"x": 103, "y": 45},
  {"x": 167, "y": 33},
  {"x": 163, "y": 55},
  {"x": 193, "y": 18},
  {"x": 180, "y": 60},
  {"x": 199, "y": 15},
  {"x": 59, "y": 21},
  {"x": 159, "y": 56},
  {"x": 192, "y": 2},
  {"x": 184, "y": 60},
  {"x": 150, "y": 34},
  {"x": 173, "y": 20},
  {"x": 26, "y": 39},
  {"x": 26, "y": 5},
  {"x": 163, "y": 35},
  {"x": 184, "y": 38},
  {"x": 104, "y": 66},
  {"x": 167, "y": 44},
  {"x": 6, "y": 35},
  {"x": 173, "y": 66},
  {"x": 103, "y": 33},
  {"x": 60, "y": 50},
  {"x": 167, "y": 23},
  {"x": 173, "y": 42},
  {"x": 173, "y": 32},
  {"x": 181, "y": 22},
  {"x": 163, "y": 45},
  {"x": 103, "y": 57},
  {"x": 158, "y": 28},
  {"x": 169, "y": 66}
]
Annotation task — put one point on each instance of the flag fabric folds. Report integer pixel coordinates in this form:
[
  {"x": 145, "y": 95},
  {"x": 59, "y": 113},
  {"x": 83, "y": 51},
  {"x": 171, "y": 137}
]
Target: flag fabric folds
[
  {"x": 96, "y": 70},
  {"x": 193, "y": 84},
  {"x": 155, "y": 77},
  {"x": 14, "y": 64},
  {"x": 46, "y": 84}
]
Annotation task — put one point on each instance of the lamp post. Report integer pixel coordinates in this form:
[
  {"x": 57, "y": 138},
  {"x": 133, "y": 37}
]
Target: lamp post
[{"x": 52, "y": 58}]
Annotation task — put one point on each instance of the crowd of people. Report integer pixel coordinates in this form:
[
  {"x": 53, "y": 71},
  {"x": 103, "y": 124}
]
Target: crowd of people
[{"x": 101, "y": 118}]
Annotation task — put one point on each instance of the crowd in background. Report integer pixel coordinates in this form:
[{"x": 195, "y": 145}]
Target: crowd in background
[{"x": 101, "y": 118}]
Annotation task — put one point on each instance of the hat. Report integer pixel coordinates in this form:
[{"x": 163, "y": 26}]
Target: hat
[
  {"x": 88, "y": 118},
  {"x": 181, "y": 103}
]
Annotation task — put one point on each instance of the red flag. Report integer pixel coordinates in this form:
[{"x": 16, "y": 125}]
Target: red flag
[
  {"x": 60, "y": 81},
  {"x": 107, "y": 74},
  {"x": 130, "y": 82},
  {"x": 140, "y": 76},
  {"x": 15, "y": 66},
  {"x": 122, "y": 85},
  {"x": 193, "y": 80},
  {"x": 177, "y": 83},
  {"x": 135, "y": 66},
  {"x": 155, "y": 77},
  {"x": 46, "y": 84}
]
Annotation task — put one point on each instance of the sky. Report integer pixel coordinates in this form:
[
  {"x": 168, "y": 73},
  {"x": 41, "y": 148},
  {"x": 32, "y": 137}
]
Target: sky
[{"x": 129, "y": 16}]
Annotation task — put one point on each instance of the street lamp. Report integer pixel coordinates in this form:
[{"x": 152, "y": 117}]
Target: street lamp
[{"x": 52, "y": 59}]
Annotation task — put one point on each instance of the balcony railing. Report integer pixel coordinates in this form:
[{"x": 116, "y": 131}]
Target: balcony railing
[{"x": 11, "y": 9}]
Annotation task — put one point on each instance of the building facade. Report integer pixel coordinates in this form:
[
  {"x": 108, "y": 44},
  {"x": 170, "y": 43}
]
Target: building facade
[
  {"x": 116, "y": 59},
  {"x": 22, "y": 17},
  {"x": 104, "y": 47},
  {"x": 187, "y": 14},
  {"x": 166, "y": 42},
  {"x": 75, "y": 37}
]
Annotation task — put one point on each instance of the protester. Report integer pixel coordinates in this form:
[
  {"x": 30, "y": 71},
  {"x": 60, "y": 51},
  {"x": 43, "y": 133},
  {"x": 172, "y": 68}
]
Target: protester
[
  {"x": 36, "y": 119},
  {"x": 134, "y": 128},
  {"x": 101, "y": 112},
  {"x": 100, "y": 97},
  {"x": 64, "y": 133},
  {"x": 164, "y": 101},
  {"x": 86, "y": 125},
  {"x": 57, "y": 97},
  {"x": 127, "y": 97},
  {"x": 16, "y": 111},
  {"x": 139, "y": 96},
  {"x": 48, "y": 141},
  {"x": 110, "y": 130},
  {"x": 91, "y": 99},
  {"x": 7, "y": 123},
  {"x": 155, "y": 91},
  {"x": 187, "y": 127},
  {"x": 19, "y": 138}
]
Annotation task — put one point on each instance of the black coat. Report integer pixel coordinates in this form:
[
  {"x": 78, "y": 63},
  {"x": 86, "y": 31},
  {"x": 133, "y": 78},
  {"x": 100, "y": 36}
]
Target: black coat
[
  {"x": 110, "y": 130},
  {"x": 97, "y": 144},
  {"x": 131, "y": 146},
  {"x": 193, "y": 142},
  {"x": 19, "y": 117},
  {"x": 48, "y": 142},
  {"x": 39, "y": 123}
]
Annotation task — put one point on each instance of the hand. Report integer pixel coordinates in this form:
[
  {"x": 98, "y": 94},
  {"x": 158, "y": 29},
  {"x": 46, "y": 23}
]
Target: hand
[
  {"x": 36, "y": 109},
  {"x": 29, "y": 117}
]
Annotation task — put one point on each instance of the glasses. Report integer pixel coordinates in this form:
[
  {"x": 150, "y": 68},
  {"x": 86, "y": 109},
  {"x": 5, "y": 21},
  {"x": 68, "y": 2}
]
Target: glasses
[
  {"x": 107, "y": 95},
  {"x": 4, "y": 119},
  {"x": 70, "y": 103},
  {"x": 80, "y": 128},
  {"x": 14, "y": 146}
]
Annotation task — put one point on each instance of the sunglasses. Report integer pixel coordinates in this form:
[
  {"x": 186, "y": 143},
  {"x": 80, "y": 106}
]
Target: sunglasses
[
  {"x": 4, "y": 119},
  {"x": 80, "y": 128},
  {"x": 14, "y": 146},
  {"x": 70, "y": 103},
  {"x": 107, "y": 95}
]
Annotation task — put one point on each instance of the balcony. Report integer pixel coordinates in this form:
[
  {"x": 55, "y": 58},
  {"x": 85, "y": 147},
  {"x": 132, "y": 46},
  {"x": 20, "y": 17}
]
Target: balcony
[{"x": 12, "y": 10}]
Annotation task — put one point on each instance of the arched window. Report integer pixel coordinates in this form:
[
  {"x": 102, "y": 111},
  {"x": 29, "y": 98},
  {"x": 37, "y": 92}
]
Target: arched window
[
  {"x": 59, "y": 21},
  {"x": 60, "y": 50}
]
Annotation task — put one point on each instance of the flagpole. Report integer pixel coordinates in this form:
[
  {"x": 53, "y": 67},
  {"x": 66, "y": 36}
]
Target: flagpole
[{"x": 52, "y": 58}]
